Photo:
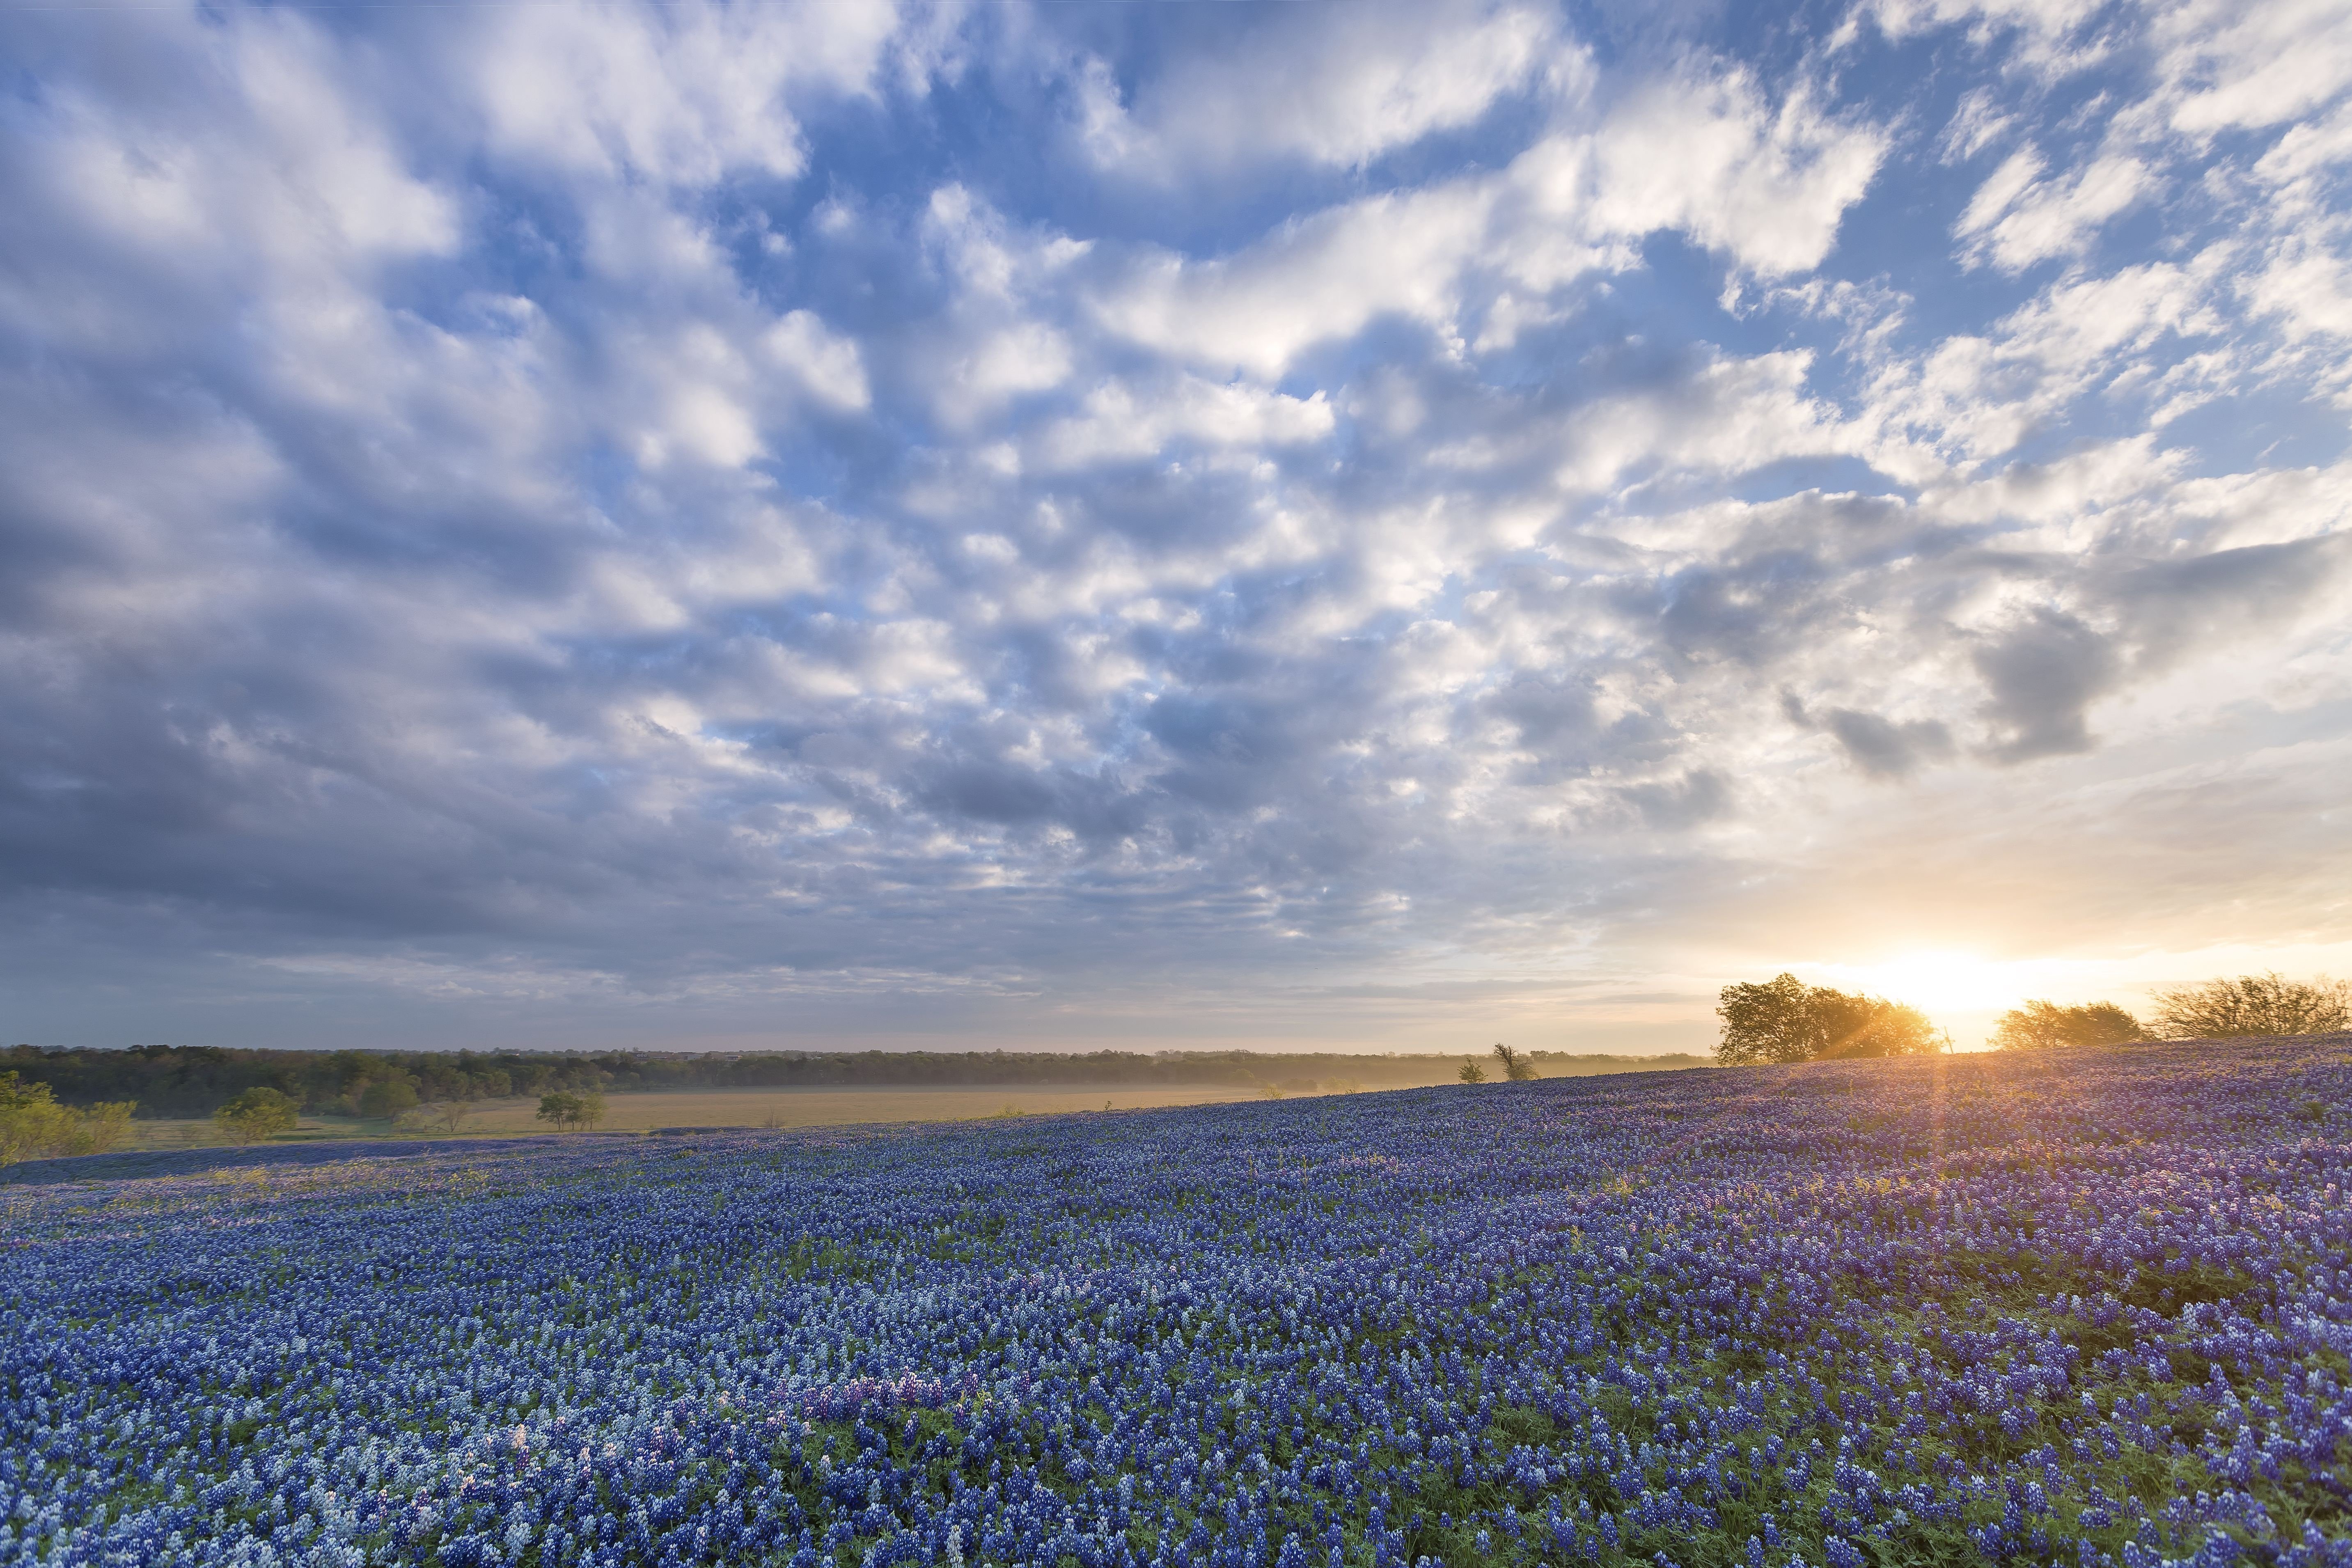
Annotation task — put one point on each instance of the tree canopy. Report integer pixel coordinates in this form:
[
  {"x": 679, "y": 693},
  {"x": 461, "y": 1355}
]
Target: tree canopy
[
  {"x": 2039, "y": 1026},
  {"x": 1785, "y": 1020}
]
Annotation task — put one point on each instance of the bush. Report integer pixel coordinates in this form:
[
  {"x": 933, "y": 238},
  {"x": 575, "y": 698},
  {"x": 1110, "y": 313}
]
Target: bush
[
  {"x": 1471, "y": 1071},
  {"x": 34, "y": 1126},
  {"x": 2039, "y": 1026},
  {"x": 256, "y": 1114},
  {"x": 1785, "y": 1020},
  {"x": 2254, "y": 1004}
]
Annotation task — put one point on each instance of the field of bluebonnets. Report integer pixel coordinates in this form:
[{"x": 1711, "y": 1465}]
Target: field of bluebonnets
[{"x": 2088, "y": 1306}]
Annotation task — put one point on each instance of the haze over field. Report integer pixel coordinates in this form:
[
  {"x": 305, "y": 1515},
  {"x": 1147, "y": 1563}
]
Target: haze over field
[{"x": 1378, "y": 526}]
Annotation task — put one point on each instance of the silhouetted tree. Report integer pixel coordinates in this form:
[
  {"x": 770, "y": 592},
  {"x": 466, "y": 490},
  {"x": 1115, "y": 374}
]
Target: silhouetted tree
[
  {"x": 2039, "y": 1026},
  {"x": 1515, "y": 1068},
  {"x": 1471, "y": 1071},
  {"x": 2266, "y": 1004},
  {"x": 1785, "y": 1020}
]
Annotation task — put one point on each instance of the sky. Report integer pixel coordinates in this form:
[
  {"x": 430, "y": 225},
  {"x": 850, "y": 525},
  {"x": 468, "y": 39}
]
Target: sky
[{"x": 1350, "y": 526}]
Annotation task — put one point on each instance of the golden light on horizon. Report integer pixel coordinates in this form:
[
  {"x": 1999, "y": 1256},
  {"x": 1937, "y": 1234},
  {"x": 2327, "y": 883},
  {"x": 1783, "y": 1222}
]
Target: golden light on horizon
[{"x": 1939, "y": 981}]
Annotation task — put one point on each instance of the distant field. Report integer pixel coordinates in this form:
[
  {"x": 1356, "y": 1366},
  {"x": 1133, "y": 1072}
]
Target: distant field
[
  {"x": 841, "y": 1107},
  {"x": 752, "y": 1107}
]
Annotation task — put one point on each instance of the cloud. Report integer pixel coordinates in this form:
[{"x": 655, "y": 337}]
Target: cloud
[
  {"x": 2017, "y": 218},
  {"x": 1323, "y": 89},
  {"x": 582, "y": 524},
  {"x": 1702, "y": 155},
  {"x": 2044, "y": 674}
]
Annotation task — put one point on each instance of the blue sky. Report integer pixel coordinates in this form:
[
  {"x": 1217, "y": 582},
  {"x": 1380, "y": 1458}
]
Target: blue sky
[{"x": 1369, "y": 526}]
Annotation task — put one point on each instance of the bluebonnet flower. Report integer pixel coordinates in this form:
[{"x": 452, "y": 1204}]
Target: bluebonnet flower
[{"x": 2093, "y": 1305}]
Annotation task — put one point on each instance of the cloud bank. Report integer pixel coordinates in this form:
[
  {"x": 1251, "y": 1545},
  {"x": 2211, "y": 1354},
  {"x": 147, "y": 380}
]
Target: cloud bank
[{"x": 723, "y": 525}]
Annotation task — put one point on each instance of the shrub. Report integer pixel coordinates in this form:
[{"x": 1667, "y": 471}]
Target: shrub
[
  {"x": 2254, "y": 1004},
  {"x": 2039, "y": 1026},
  {"x": 1471, "y": 1071},
  {"x": 256, "y": 1114},
  {"x": 34, "y": 1126}
]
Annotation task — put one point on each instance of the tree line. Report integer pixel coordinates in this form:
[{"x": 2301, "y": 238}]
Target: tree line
[
  {"x": 1785, "y": 1020},
  {"x": 183, "y": 1082}
]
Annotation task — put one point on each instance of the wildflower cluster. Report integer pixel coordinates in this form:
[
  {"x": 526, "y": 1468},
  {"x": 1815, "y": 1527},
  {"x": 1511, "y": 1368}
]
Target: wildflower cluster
[{"x": 2089, "y": 1307}]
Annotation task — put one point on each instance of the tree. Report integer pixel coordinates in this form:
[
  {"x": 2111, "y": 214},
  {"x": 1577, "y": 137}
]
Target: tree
[
  {"x": 591, "y": 1107},
  {"x": 1785, "y": 1020},
  {"x": 558, "y": 1110},
  {"x": 451, "y": 1114},
  {"x": 1471, "y": 1071},
  {"x": 1515, "y": 1068},
  {"x": 256, "y": 1114},
  {"x": 2254, "y": 1004},
  {"x": 388, "y": 1094},
  {"x": 2039, "y": 1026}
]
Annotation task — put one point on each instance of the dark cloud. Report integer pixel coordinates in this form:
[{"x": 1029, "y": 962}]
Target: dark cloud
[{"x": 2043, "y": 675}]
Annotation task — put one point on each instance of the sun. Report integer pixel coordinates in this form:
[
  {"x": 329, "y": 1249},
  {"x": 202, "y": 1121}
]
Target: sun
[{"x": 1935, "y": 980}]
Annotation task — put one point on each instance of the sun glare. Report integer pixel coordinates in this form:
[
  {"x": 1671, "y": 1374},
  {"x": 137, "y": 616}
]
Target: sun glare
[{"x": 1936, "y": 982}]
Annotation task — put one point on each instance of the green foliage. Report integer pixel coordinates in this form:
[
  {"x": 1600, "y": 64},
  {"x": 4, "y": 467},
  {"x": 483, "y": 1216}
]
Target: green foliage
[
  {"x": 2266, "y": 1004},
  {"x": 257, "y": 1114},
  {"x": 1471, "y": 1071},
  {"x": 1516, "y": 1066},
  {"x": 561, "y": 1110},
  {"x": 2039, "y": 1026},
  {"x": 34, "y": 1126},
  {"x": 390, "y": 1094},
  {"x": 1785, "y": 1020}
]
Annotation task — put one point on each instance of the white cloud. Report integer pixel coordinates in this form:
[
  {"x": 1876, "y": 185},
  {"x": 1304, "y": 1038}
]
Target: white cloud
[
  {"x": 679, "y": 95},
  {"x": 1118, "y": 423},
  {"x": 2017, "y": 218},
  {"x": 1323, "y": 87},
  {"x": 825, "y": 362},
  {"x": 1705, "y": 156},
  {"x": 2232, "y": 64}
]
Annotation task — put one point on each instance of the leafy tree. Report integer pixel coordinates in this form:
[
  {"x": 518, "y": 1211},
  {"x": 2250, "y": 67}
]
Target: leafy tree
[
  {"x": 256, "y": 1114},
  {"x": 591, "y": 1107},
  {"x": 2266, "y": 1004},
  {"x": 451, "y": 1114},
  {"x": 1471, "y": 1071},
  {"x": 388, "y": 1094},
  {"x": 2039, "y": 1026},
  {"x": 558, "y": 1110},
  {"x": 1515, "y": 1068},
  {"x": 1785, "y": 1020}
]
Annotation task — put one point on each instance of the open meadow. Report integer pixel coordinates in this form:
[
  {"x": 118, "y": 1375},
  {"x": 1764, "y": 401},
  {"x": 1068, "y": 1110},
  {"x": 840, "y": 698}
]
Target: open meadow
[
  {"x": 2089, "y": 1307},
  {"x": 734, "y": 1108}
]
